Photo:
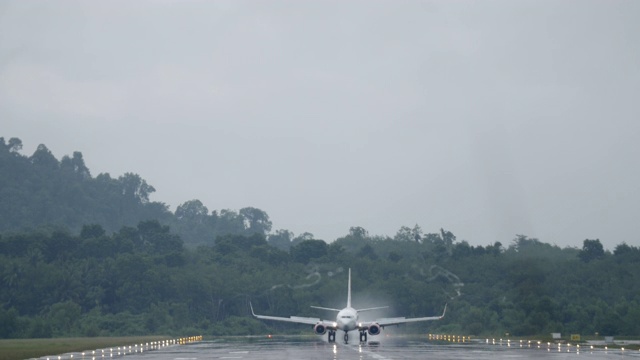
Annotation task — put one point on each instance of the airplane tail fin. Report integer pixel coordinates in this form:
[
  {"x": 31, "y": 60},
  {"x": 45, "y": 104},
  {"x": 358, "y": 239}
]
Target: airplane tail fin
[{"x": 349, "y": 291}]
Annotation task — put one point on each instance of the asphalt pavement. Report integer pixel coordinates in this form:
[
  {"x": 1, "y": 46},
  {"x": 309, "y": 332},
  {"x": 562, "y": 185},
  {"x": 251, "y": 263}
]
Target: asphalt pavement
[{"x": 384, "y": 348}]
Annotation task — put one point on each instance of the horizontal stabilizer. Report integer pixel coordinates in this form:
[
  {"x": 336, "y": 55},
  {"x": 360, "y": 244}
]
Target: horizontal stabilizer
[
  {"x": 324, "y": 308},
  {"x": 374, "y": 308}
]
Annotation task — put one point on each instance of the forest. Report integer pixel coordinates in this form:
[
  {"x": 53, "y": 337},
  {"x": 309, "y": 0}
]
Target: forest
[{"x": 93, "y": 256}]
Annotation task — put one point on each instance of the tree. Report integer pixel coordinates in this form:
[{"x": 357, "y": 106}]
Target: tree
[
  {"x": 156, "y": 238},
  {"x": 229, "y": 222},
  {"x": 43, "y": 158},
  {"x": 404, "y": 234},
  {"x": 591, "y": 250},
  {"x": 64, "y": 316},
  {"x": 281, "y": 239},
  {"x": 192, "y": 210},
  {"x": 135, "y": 188},
  {"x": 8, "y": 320},
  {"x": 255, "y": 220},
  {"x": 15, "y": 144},
  {"x": 358, "y": 232},
  {"x": 75, "y": 165},
  {"x": 92, "y": 231},
  {"x": 302, "y": 237},
  {"x": 417, "y": 233},
  {"x": 394, "y": 257},
  {"x": 60, "y": 246},
  {"x": 308, "y": 250},
  {"x": 462, "y": 249},
  {"x": 228, "y": 244},
  {"x": 624, "y": 252},
  {"x": 495, "y": 249},
  {"x": 334, "y": 250},
  {"x": 367, "y": 252},
  {"x": 447, "y": 237}
]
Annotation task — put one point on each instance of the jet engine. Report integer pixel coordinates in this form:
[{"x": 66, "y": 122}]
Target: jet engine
[
  {"x": 319, "y": 329},
  {"x": 374, "y": 329}
]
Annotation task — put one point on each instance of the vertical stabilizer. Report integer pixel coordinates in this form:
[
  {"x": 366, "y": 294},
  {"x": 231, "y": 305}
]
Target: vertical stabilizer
[{"x": 349, "y": 291}]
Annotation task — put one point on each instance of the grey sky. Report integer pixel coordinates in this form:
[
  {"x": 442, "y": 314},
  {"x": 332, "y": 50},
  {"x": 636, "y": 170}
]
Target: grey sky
[{"x": 486, "y": 118}]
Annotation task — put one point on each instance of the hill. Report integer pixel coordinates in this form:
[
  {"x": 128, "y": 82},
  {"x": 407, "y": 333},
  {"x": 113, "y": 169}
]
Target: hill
[
  {"x": 40, "y": 191},
  {"x": 93, "y": 256}
]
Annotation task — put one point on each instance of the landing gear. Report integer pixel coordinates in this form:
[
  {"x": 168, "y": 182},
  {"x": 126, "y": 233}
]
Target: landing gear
[
  {"x": 331, "y": 337},
  {"x": 363, "y": 336},
  {"x": 346, "y": 337}
]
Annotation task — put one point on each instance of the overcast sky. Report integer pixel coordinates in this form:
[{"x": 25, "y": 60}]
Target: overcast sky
[{"x": 485, "y": 118}]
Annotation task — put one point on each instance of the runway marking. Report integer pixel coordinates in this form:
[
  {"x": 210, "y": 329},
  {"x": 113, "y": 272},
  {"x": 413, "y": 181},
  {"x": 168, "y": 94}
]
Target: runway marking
[
  {"x": 238, "y": 352},
  {"x": 362, "y": 350},
  {"x": 379, "y": 357}
]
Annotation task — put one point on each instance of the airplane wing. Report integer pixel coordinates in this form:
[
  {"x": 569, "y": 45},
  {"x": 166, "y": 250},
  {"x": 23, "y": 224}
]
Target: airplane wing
[
  {"x": 399, "y": 320},
  {"x": 296, "y": 319}
]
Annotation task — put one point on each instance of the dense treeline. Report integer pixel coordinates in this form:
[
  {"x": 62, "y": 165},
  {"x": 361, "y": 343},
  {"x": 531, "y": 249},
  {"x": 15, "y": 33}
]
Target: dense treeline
[
  {"x": 142, "y": 280},
  {"x": 85, "y": 256}
]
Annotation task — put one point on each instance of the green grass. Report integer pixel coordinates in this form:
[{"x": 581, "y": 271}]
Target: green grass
[{"x": 19, "y": 349}]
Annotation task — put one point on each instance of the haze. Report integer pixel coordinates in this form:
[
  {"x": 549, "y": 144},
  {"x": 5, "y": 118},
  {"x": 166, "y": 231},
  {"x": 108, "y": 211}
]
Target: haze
[{"x": 485, "y": 118}]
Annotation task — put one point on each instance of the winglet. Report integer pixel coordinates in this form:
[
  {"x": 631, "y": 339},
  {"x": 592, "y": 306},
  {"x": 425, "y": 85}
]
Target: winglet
[
  {"x": 254, "y": 314},
  {"x": 444, "y": 311}
]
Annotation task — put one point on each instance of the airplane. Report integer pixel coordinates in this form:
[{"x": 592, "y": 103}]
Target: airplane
[{"x": 347, "y": 320}]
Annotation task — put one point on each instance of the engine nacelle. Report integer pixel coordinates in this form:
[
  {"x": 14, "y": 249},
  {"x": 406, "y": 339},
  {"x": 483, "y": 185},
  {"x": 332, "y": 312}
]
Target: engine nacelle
[
  {"x": 374, "y": 329},
  {"x": 319, "y": 329}
]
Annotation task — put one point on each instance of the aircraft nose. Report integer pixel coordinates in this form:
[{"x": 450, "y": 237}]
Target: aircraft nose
[{"x": 346, "y": 324}]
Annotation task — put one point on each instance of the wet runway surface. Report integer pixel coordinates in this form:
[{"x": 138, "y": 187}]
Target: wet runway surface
[{"x": 279, "y": 348}]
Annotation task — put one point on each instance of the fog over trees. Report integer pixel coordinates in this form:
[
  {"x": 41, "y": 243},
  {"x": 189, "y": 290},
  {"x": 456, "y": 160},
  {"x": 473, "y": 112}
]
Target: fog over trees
[{"x": 84, "y": 255}]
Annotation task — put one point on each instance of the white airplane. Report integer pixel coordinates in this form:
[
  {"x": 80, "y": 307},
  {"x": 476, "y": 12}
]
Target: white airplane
[{"x": 348, "y": 320}]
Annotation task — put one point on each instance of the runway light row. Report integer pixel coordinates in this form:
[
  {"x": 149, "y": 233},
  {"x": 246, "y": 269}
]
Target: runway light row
[
  {"x": 549, "y": 345},
  {"x": 449, "y": 338},
  {"x": 129, "y": 349}
]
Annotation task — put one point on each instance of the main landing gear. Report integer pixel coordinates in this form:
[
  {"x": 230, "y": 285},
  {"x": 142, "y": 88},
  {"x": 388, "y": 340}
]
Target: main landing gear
[
  {"x": 363, "y": 336},
  {"x": 331, "y": 337}
]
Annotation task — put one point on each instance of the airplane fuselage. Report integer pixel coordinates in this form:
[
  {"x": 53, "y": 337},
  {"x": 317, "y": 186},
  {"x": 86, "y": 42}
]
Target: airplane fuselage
[{"x": 347, "y": 319}]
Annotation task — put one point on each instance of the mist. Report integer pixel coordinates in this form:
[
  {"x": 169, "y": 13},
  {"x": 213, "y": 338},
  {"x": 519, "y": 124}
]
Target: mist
[{"x": 488, "y": 119}]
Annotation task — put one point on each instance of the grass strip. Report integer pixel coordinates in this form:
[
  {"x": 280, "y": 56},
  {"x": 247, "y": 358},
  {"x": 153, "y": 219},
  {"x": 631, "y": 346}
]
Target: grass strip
[{"x": 20, "y": 349}]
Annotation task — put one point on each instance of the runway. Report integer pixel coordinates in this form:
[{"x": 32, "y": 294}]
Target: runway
[{"x": 398, "y": 348}]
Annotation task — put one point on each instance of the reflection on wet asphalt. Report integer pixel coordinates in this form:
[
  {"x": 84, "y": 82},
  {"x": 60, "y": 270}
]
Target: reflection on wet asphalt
[{"x": 279, "y": 348}]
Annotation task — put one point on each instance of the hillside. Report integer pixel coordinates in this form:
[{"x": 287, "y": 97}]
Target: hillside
[
  {"x": 40, "y": 191},
  {"x": 93, "y": 256}
]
